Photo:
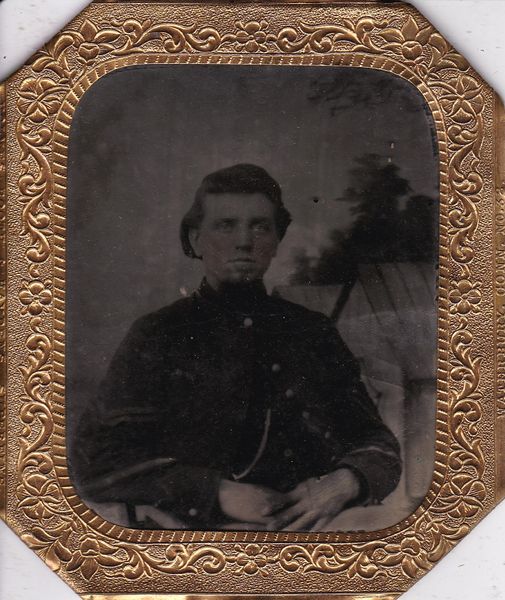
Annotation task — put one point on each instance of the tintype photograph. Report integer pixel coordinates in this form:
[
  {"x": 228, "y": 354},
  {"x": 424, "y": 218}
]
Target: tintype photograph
[{"x": 251, "y": 300}]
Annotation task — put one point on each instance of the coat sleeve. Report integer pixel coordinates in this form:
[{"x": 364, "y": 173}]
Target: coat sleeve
[
  {"x": 365, "y": 444},
  {"x": 119, "y": 455}
]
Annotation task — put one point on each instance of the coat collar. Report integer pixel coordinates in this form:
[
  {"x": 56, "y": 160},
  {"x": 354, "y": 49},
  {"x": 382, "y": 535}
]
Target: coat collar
[{"x": 242, "y": 298}]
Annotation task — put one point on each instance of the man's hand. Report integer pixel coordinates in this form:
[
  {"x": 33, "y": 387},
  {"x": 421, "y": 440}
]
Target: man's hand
[
  {"x": 250, "y": 503},
  {"x": 316, "y": 501}
]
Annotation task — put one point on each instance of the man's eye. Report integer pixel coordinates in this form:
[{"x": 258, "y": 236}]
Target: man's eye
[
  {"x": 261, "y": 227},
  {"x": 224, "y": 225}
]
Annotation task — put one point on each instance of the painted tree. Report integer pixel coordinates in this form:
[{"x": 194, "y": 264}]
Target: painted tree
[{"x": 382, "y": 231}]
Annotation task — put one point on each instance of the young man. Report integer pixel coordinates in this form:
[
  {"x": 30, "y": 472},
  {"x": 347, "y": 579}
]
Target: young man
[{"x": 233, "y": 408}]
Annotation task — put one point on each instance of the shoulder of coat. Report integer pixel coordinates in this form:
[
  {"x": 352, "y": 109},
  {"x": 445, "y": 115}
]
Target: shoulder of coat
[
  {"x": 172, "y": 315},
  {"x": 300, "y": 313}
]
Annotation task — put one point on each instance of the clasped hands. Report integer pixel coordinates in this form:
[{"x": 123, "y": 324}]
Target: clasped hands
[{"x": 311, "y": 505}]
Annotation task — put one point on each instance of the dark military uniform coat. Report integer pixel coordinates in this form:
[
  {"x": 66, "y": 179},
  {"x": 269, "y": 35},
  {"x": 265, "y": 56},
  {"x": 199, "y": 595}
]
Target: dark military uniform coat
[{"x": 238, "y": 385}]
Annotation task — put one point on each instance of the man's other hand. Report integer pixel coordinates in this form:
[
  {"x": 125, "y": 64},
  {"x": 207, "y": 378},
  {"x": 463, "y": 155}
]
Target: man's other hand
[
  {"x": 316, "y": 502},
  {"x": 245, "y": 502}
]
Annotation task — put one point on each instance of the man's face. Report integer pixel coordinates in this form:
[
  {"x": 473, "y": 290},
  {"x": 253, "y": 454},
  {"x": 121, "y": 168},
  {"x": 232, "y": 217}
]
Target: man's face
[{"x": 237, "y": 238}]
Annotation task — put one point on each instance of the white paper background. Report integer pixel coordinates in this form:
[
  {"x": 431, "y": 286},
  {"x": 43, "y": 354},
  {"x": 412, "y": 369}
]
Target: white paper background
[{"x": 475, "y": 569}]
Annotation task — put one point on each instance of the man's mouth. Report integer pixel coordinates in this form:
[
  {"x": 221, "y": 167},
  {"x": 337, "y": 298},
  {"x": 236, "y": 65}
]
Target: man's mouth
[{"x": 242, "y": 260}]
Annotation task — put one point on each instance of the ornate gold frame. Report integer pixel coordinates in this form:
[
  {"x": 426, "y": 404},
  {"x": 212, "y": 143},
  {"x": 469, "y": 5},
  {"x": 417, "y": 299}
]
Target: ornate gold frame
[{"x": 102, "y": 560}]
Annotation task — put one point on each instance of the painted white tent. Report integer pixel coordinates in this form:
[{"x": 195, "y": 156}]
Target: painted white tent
[{"x": 389, "y": 321}]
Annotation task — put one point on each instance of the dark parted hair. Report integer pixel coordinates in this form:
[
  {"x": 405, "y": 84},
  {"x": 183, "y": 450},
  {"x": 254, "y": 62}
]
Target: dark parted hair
[{"x": 238, "y": 179}]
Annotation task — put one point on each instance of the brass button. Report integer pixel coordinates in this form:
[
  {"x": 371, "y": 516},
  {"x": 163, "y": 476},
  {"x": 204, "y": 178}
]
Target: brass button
[
  {"x": 276, "y": 367},
  {"x": 248, "y": 322}
]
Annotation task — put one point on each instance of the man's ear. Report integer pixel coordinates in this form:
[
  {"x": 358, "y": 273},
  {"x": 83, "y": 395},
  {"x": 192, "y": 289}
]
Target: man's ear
[
  {"x": 194, "y": 240},
  {"x": 276, "y": 247}
]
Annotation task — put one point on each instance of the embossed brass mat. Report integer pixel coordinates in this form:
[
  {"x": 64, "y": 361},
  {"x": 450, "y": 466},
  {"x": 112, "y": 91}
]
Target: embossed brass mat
[{"x": 102, "y": 560}]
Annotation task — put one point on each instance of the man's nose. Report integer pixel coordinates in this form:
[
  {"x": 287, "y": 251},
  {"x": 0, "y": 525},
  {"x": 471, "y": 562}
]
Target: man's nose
[{"x": 244, "y": 237}]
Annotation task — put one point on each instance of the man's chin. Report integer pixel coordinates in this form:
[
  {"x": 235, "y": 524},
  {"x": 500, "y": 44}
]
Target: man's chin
[
  {"x": 242, "y": 278},
  {"x": 243, "y": 275}
]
